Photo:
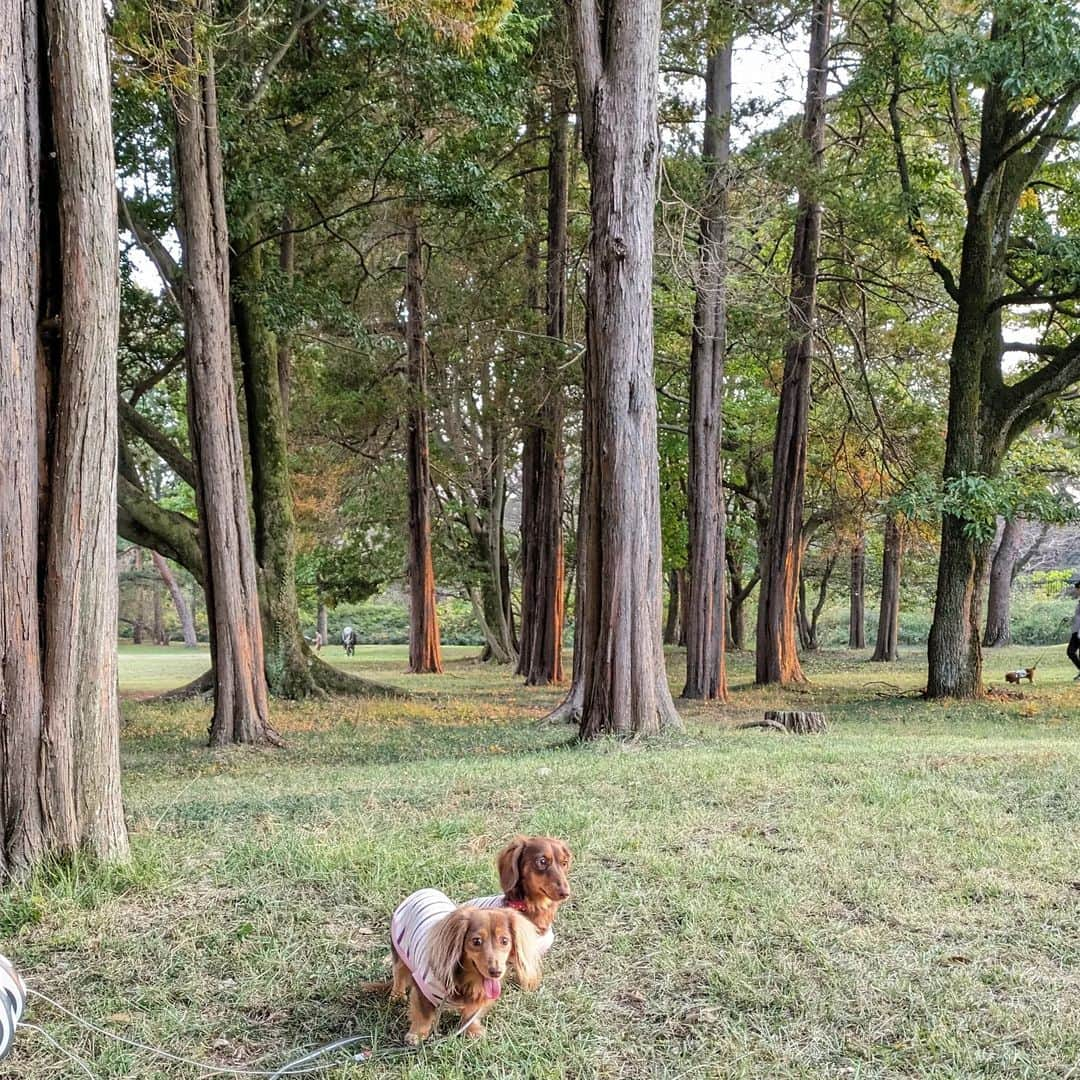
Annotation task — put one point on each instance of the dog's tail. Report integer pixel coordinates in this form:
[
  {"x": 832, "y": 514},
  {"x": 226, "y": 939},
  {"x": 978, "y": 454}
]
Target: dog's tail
[{"x": 382, "y": 987}]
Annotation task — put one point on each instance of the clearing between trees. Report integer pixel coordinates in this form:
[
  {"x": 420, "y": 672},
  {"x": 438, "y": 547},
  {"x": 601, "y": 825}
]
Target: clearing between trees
[{"x": 899, "y": 896}]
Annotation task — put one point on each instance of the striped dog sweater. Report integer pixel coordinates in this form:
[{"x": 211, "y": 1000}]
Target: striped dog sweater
[{"x": 411, "y": 928}]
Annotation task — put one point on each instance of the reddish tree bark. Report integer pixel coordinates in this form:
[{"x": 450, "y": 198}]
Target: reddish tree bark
[
  {"x": 857, "y": 596},
  {"x": 542, "y": 614},
  {"x": 183, "y": 609},
  {"x": 59, "y": 720},
  {"x": 886, "y": 646},
  {"x": 241, "y": 712},
  {"x": 777, "y": 655},
  {"x": 425, "y": 654},
  {"x": 706, "y": 676},
  {"x": 624, "y": 684}
]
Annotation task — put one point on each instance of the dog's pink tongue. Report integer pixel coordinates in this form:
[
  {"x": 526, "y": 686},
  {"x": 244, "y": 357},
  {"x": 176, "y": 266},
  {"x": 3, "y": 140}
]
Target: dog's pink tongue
[{"x": 492, "y": 988}]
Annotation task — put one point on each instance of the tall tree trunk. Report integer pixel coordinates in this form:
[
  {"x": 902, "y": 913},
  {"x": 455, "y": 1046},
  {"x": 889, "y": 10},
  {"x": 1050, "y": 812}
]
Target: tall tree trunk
[
  {"x": 684, "y": 608},
  {"x": 138, "y": 624},
  {"x": 322, "y": 624},
  {"x": 425, "y": 654},
  {"x": 777, "y": 657},
  {"x": 886, "y": 646},
  {"x": 288, "y": 672},
  {"x": 706, "y": 675},
  {"x": 986, "y": 412},
  {"x": 183, "y": 610},
  {"x": 287, "y": 263},
  {"x": 543, "y": 457},
  {"x": 625, "y": 688},
  {"x": 241, "y": 711},
  {"x": 857, "y": 596},
  {"x": 59, "y": 718},
  {"x": 807, "y": 618},
  {"x": 738, "y": 595},
  {"x": 671, "y": 625},
  {"x": 998, "y": 631},
  {"x": 159, "y": 626}
]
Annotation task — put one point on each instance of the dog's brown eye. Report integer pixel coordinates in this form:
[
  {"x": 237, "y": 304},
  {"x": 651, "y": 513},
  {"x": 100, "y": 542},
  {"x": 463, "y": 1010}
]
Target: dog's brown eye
[
  {"x": 478, "y": 941},
  {"x": 542, "y": 863},
  {"x": 504, "y": 941}
]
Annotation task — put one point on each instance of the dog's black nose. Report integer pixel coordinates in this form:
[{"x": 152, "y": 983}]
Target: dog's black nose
[{"x": 495, "y": 973}]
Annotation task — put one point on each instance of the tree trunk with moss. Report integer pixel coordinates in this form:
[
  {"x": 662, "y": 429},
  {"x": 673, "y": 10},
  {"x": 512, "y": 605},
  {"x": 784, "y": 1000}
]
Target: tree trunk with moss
[
  {"x": 288, "y": 672},
  {"x": 241, "y": 709}
]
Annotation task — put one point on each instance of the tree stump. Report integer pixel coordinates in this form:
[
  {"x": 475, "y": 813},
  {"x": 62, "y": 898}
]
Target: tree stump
[{"x": 794, "y": 723}]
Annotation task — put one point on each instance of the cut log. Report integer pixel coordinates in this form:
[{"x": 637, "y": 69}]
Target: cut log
[{"x": 794, "y": 723}]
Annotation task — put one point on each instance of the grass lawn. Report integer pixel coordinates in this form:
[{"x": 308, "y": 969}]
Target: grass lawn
[{"x": 899, "y": 897}]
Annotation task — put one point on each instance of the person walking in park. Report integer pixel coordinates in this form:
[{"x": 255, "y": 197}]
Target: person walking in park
[{"x": 1074, "y": 632}]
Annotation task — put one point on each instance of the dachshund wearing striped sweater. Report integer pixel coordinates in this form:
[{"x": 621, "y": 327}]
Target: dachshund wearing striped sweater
[{"x": 447, "y": 956}]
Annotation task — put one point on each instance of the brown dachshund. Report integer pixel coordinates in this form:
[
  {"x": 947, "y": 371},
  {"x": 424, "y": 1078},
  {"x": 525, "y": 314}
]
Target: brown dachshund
[
  {"x": 533, "y": 876},
  {"x": 455, "y": 957}
]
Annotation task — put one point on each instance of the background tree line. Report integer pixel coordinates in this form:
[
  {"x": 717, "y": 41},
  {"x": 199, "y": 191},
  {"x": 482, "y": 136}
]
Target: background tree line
[{"x": 530, "y": 304}]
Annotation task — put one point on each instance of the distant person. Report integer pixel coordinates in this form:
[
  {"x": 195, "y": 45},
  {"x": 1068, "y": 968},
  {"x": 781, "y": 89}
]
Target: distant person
[
  {"x": 318, "y": 641},
  {"x": 348, "y": 639},
  {"x": 1074, "y": 632}
]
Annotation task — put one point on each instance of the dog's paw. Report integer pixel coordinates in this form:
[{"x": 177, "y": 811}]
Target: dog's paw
[
  {"x": 476, "y": 1030},
  {"x": 412, "y": 1039}
]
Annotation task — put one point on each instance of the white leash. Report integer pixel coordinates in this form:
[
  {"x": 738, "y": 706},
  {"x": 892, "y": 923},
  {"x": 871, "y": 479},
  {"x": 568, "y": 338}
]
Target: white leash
[{"x": 13, "y": 997}]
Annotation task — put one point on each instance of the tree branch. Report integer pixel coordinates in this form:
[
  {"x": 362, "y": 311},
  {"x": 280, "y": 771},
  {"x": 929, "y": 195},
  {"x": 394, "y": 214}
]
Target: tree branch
[
  {"x": 914, "y": 218},
  {"x": 272, "y": 64},
  {"x": 158, "y": 441},
  {"x": 167, "y": 267},
  {"x": 141, "y": 521}
]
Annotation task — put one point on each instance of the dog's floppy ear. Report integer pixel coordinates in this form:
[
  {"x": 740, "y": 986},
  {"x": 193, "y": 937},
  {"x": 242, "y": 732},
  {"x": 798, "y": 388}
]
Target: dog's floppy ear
[
  {"x": 509, "y": 865},
  {"x": 526, "y": 954},
  {"x": 447, "y": 945}
]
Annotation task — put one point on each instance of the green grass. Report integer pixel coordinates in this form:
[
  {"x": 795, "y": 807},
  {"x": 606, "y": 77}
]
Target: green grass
[{"x": 897, "y": 898}]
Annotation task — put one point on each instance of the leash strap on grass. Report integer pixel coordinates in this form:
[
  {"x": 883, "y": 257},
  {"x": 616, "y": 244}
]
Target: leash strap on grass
[
  {"x": 211, "y": 1070},
  {"x": 14, "y": 992}
]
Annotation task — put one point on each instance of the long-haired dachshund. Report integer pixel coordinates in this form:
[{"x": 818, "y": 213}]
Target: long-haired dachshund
[
  {"x": 533, "y": 876},
  {"x": 447, "y": 956}
]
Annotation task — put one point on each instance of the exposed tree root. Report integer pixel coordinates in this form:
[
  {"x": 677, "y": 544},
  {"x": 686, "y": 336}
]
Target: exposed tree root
[
  {"x": 332, "y": 680},
  {"x": 569, "y": 710},
  {"x": 198, "y": 687},
  {"x": 325, "y": 679}
]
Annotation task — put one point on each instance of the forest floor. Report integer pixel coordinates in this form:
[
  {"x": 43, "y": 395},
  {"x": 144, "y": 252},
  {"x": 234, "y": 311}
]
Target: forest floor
[{"x": 897, "y": 897}]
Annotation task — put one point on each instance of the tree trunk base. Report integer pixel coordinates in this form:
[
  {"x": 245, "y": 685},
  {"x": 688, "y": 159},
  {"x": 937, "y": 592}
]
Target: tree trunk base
[
  {"x": 198, "y": 687},
  {"x": 792, "y": 723},
  {"x": 325, "y": 679},
  {"x": 331, "y": 680},
  {"x": 569, "y": 710}
]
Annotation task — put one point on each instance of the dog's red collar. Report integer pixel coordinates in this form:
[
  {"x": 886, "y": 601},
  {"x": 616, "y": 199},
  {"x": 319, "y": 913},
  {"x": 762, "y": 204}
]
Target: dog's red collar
[{"x": 517, "y": 905}]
